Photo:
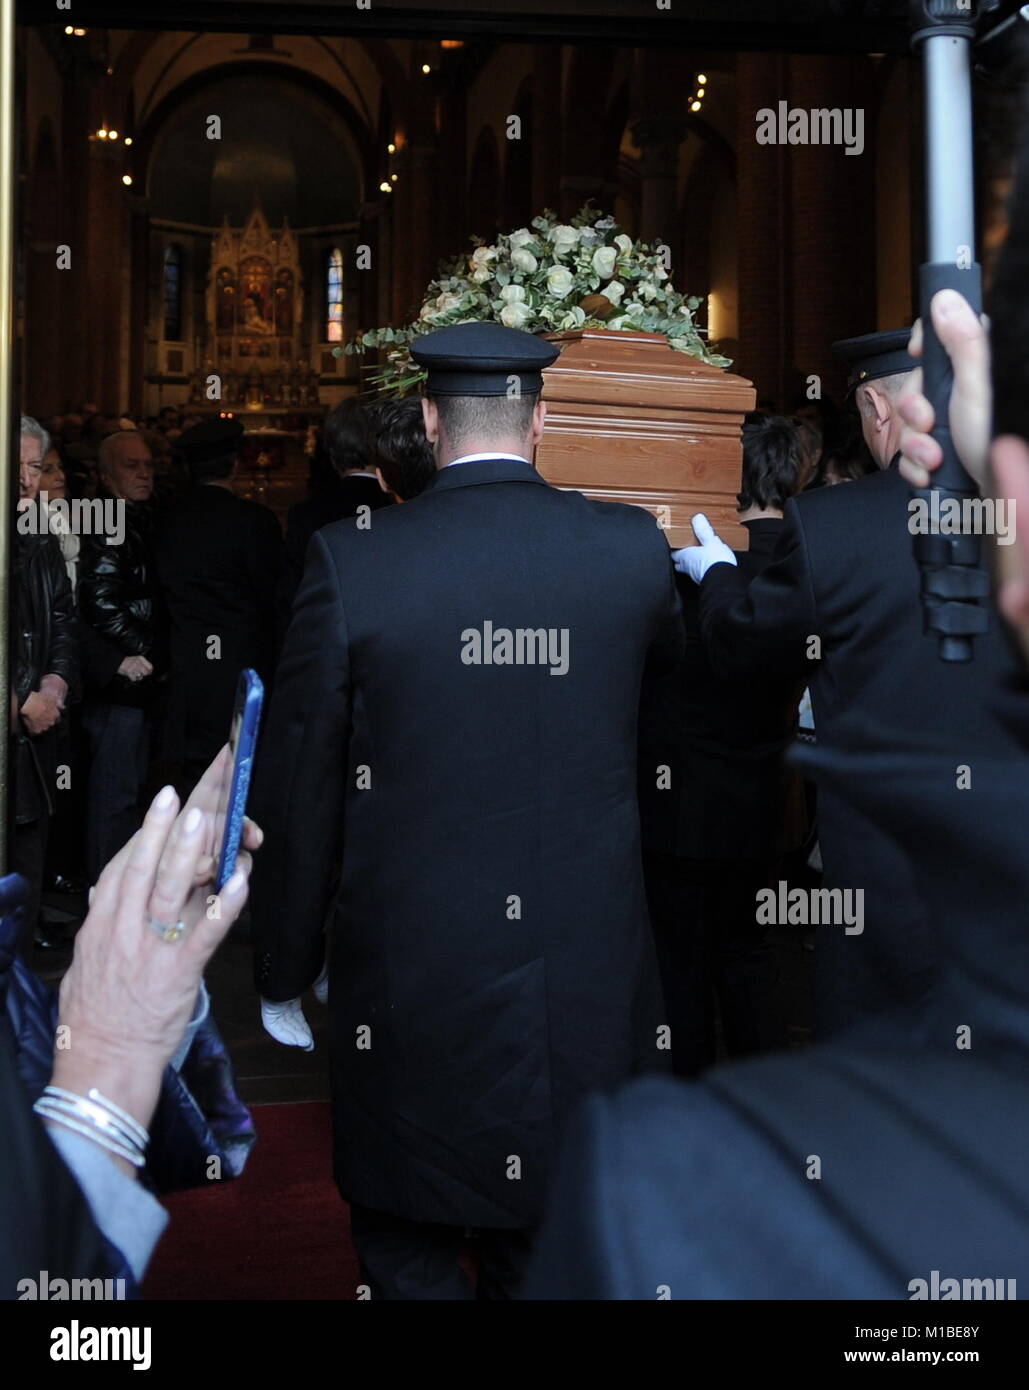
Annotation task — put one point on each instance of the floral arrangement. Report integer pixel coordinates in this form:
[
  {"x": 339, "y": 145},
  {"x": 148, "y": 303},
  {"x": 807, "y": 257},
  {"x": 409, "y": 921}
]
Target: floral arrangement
[{"x": 548, "y": 278}]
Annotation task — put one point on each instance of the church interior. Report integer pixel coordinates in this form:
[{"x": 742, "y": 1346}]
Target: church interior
[{"x": 245, "y": 203}]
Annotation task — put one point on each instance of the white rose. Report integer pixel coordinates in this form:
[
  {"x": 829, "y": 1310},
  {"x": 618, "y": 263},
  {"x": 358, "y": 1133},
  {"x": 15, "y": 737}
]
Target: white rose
[
  {"x": 574, "y": 318},
  {"x": 427, "y": 311},
  {"x": 564, "y": 239},
  {"x": 520, "y": 238},
  {"x": 447, "y": 301},
  {"x": 619, "y": 321},
  {"x": 513, "y": 294},
  {"x": 483, "y": 255},
  {"x": 659, "y": 272},
  {"x": 647, "y": 291},
  {"x": 624, "y": 243},
  {"x": 515, "y": 315},
  {"x": 603, "y": 262},
  {"x": 524, "y": 260},
  {"x": 560, "y": 281},
  {"x": 614, "y": 291},
  {"x": 481, "y": 275}
]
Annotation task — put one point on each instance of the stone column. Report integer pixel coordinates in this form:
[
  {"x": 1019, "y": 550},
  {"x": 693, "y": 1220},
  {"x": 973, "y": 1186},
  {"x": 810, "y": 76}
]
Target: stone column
[
  {"x": 659, "y": 139},
  {"x": 763, "y": 220},
  {"x": 546, "y": 126}
]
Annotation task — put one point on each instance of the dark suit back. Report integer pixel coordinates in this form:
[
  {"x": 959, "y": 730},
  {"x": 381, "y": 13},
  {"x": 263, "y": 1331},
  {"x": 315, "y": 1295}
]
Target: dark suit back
[
  {"x": 844, "y": 573},
  {"x": 722, "y": 741},
  {"x": 491, "y": 929},
  {"x": 218, "y": 561}
]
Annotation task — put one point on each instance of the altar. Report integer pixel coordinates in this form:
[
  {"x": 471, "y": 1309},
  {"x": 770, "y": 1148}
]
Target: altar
[{"x": 251, "y": 354}]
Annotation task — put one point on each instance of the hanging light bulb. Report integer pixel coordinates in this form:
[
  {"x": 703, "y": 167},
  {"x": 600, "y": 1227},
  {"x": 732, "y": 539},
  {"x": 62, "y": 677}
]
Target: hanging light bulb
[{"x": 127, "y": 180}]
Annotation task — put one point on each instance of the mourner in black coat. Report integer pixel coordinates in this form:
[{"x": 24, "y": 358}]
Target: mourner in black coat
[
  {"x": 712, "y": 792},
  {"x": 219, "y": 560},
  {"x": 343, "y": 485},
  {"x": 455, "y": 710},
  {"x": 886, "y": 1163},
  {"x": 839, "y": 607}
]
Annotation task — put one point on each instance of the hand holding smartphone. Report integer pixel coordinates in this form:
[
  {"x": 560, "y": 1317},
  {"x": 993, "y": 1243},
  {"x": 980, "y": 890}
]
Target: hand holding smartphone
[{"x": 232, "y": 802}]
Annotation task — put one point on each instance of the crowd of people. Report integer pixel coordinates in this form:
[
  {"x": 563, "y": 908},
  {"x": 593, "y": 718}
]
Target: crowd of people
[{"x": 131, "y": 630}]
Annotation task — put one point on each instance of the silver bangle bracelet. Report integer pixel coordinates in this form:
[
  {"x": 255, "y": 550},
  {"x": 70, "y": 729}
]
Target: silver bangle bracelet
[
  {"x": 102, "y": 1111},
  {"x": 47, "y": 1110}
]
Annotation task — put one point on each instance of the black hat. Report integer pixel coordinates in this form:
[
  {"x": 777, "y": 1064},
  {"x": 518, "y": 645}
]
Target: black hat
[
  {"x": 875, "y": 355},
  {"x": 479, "y": 359},
  {"x": 213, "y": 439}
]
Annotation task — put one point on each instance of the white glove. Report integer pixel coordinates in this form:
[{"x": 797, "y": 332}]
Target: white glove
[
  {"x": 286, "y": 1024},
  {"x": 696, "y": 560},
  {"x": 321, "y": 985}
]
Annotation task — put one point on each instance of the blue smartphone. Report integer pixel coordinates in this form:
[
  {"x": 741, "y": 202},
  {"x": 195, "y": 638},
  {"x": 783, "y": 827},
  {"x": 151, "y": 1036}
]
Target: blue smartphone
[{"x": 232, "y": 801}]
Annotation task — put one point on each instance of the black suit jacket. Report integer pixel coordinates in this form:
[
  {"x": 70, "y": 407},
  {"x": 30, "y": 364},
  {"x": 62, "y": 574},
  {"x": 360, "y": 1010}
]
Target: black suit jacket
[
  {"x": 844, "y": 574},
  {"x": 490, "y": 956},
  {"x": 858, "y": 1167},
  {"x": 218, "y": 560},
  {"x": 342, "y": 499},
  {"x": 721, "y": 741}
]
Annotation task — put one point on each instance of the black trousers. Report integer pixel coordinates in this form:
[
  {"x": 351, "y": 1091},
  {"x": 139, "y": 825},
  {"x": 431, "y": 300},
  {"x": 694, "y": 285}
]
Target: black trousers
[
  {"x": 402, "y": 1259},
  {"x": 716, "y": 961}
]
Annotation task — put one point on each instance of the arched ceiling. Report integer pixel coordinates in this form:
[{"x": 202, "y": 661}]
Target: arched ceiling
[{"x": 281, "y": 149}]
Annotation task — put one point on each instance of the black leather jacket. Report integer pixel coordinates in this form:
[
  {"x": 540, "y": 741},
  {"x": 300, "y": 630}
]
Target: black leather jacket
[
  {"x": 44, "y": 637},
  {"x": 44, "y": 641},
  {"x": 118, "y": 604}
]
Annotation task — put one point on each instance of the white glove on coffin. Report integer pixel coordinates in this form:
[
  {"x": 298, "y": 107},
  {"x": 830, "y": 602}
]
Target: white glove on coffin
[{"x": 696, "y": 560}]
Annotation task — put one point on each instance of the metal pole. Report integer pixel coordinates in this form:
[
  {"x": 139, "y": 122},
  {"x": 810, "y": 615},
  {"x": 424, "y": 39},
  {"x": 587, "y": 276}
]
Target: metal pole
[
  {"x": 7, "y": 401},
  {"x": 955, "y": 586},
  {"x": 950, "y": 175}
]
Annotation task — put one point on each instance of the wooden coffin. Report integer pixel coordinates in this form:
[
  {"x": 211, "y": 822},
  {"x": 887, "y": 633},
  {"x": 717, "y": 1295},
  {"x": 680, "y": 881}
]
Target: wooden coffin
[{"x": 630, "y": 420}]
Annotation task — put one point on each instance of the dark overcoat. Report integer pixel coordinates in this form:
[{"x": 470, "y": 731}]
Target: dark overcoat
[
  {"x": 886, "y": 1163},
  {"x": 844, "y": 574},
  {"x": 219, "y": 559},
  {"x": 490, "y": 954}
]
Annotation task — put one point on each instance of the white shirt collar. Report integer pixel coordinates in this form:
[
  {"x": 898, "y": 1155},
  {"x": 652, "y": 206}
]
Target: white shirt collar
[{"x": 478, "y": 458}]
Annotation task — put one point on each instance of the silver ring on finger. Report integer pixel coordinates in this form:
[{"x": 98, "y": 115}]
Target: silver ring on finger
[{"x": 167, "y": 931}]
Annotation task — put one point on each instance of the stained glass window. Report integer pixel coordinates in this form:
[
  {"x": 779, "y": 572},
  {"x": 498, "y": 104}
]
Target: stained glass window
[
  {"x": 172, "y": 290},
  {"x": 334, "y": 296}
]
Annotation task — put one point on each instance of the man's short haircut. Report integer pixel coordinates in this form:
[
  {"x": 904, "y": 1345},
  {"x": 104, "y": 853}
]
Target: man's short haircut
[
  {"x": 466, "y": 422},
  {"x": 404, "y": 455},
  {"x": 348, "y": 435},
  {"x": 109, "y": 447},
  {"x": 771, "y": 462},
  {"x": 35, "y": 430},
  {"x": 889, "y": 385}
]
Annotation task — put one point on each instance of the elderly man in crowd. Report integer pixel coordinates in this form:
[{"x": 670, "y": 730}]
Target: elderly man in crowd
[{"x": 118, "y": 605}]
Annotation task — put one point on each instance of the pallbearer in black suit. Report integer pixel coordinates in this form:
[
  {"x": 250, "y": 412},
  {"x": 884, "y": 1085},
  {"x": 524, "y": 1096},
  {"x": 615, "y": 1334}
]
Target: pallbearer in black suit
[
  {"x": 455, "y": 711},
  {"x": 219, "y": 559},
  {"x": 840, "y": 606}
]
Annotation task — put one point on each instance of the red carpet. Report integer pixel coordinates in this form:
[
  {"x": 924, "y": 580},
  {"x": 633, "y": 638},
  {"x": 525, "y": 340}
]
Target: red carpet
[{"x": 280, "y": 1231}]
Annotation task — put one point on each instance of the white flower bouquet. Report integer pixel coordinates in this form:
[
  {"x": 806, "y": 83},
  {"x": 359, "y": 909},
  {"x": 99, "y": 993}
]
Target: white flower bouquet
[{"x": 548, "y": 278}]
